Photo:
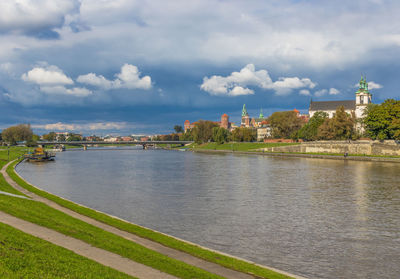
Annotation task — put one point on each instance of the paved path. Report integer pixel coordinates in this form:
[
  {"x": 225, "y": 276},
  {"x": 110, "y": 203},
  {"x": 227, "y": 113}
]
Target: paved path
[
  {"x": 176, "y": 254},
  {"x": 82, "y": 248},
  {"x": 12, "y": 195}
]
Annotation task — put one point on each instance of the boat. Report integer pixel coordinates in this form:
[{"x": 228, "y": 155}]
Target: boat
[{"x": 39, "y": 155}]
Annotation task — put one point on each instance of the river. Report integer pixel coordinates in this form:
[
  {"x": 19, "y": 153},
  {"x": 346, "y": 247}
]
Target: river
[{"x": 312, "y": 217}]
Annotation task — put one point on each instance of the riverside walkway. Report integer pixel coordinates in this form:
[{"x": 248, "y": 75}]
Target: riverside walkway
[{"x": 115, "y": 261}]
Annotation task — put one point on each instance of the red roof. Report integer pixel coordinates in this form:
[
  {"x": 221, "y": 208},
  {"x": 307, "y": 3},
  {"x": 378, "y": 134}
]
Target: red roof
[
  {"x": 296, "y": 111},
  {"x": 187, "y": 121},
  {"x": 224, "y": 115}
]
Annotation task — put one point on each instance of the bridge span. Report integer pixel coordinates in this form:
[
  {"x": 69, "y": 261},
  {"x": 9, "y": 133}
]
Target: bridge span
[{"x": 145, "y": 144}]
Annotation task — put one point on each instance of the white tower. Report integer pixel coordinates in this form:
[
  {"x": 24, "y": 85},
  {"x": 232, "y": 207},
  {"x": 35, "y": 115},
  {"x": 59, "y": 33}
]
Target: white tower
[{"x": 363, "y": 98}]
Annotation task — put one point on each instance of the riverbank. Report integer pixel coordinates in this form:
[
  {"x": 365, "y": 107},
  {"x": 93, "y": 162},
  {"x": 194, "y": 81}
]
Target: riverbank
[
  {"x": 350, "y": 157},
  {"x": 265, "y": 150},
  {"x": 48, "y": 216}
]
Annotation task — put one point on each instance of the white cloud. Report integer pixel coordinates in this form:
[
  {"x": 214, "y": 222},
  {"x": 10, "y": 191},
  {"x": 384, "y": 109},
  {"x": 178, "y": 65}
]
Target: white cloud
[
  {"x": 59, "y": 126},
  {"x": 236, "y": 83},
  {"x": 305, "y": 92},
  {"x": 321, "y": 92},
  {"x": 50, "y": 75},
  {"x": 59, "y": 89},
  {"x": 238, "y": 90},
  {"x": 129, "y": 78},
  {"x": 373, "y": 85},
  {"x": 333, "y": 91},
  {"x": 93, "y": 79},
  {"x": 29, "y": 16}
]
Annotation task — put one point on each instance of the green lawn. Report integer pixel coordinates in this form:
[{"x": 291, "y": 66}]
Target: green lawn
[
  {"x": 143, "y": 232},
  {"x": 26, "y": 256},
  {"x": 43, "y": 215}
]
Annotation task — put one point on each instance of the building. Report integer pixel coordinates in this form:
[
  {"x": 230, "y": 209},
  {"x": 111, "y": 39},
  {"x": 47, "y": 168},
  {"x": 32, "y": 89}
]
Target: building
[
  {"x": 187, "y": 126},
  {"x": 357, "y": 106},
  {"x": 245, "y": 117},
  {"x": 225, "y": 121}
]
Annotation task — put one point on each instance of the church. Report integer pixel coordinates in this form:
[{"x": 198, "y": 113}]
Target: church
[{"x": 362, "y": 99}]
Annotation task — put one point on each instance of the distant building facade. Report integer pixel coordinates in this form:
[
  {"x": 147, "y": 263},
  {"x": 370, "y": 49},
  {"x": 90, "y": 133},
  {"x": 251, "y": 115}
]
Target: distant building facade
[{"x": 353, "y": 107}]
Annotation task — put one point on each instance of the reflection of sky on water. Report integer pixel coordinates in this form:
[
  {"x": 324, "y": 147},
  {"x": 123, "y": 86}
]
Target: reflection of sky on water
[{"x": 312, "y": 217}]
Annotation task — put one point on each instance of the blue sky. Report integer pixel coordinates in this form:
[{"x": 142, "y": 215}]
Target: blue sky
[{"x": 133, "y": 67}]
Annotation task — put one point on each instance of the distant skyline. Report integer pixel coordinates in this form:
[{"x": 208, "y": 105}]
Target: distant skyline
[{"x": 141, "y": 67}]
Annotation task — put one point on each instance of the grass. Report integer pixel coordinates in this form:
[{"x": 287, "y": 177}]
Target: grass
[
  {"x": 26, "y": 256},
  {"x": 239, "y": 146},
  {"x": 43, "y": 215},
  {"x": 46, "y": 216},
  {"x": 195, "y": 250}
]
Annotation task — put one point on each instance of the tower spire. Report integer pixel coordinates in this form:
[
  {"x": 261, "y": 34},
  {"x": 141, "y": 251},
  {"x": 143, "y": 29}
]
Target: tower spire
[{"x": 244, "y": 110}]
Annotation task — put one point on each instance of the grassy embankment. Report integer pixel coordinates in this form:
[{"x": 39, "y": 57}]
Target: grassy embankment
[
  {"x": 46, "y": 216},
  {"x": 88, "y": 233},
  {"x": 252, "y": 147},
  {"x": 26, "y": 256}
]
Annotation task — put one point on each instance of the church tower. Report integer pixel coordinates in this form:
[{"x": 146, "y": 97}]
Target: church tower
[
  {"x": 245, "y": 117},
  {"x": 363, "y": 98}
]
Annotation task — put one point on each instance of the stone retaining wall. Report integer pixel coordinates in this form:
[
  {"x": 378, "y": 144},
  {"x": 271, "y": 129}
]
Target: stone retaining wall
[{"x": 362, "y": 147}]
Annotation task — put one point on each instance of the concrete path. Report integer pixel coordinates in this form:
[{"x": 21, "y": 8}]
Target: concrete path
[
  {"x": 13, "y": 195},
  {"x": 176, "y": 254},
  {"x": 82, "y": 248}
]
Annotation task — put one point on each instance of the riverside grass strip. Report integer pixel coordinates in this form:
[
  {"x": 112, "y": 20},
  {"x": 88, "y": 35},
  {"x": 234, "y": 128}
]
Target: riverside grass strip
[
  {"x": 26, "y": 256},
  {"x": 43, "y": 215},
  {"x": 166, "y": 240}
]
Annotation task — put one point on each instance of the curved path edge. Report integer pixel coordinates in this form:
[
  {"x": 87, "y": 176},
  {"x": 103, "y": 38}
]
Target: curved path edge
[
  {"x": 170, "y": 252},
  {"x": 84, "y": 249}
]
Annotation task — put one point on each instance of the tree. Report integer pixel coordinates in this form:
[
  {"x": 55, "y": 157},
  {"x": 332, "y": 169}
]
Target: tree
[
  {"x": 178, "y": 129},
  {"x": 186, "y": 136},
  {"x": 21, "y": 132},
  {"x": 202, "y": 131},
  {"x": 310, "y": 130},
  {"x": 74, "y": 137},
  {"x": 383, "y": 121},
  {"x": 61, "y": 137},
  {"x": 220, "y": 135},
  {"x": 284, "y": 124},
  {"x": 50, "y": 136},
  {"x": 244, "y": 134},
  {"x": 339, "y": 127}
]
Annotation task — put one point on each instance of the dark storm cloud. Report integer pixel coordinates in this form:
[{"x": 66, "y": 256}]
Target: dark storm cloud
[{"x": 179, "y": 44}]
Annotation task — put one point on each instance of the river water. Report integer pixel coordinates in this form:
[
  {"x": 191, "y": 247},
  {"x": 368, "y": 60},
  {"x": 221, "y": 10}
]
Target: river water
[{"x": 311, "y": 217}]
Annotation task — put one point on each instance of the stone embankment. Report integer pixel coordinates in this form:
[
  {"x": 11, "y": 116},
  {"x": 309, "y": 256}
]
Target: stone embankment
[{"x": 360, "y": 147}]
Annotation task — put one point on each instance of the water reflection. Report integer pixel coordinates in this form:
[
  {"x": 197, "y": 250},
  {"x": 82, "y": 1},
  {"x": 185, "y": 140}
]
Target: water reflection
[{"x": 316, "y": 218}]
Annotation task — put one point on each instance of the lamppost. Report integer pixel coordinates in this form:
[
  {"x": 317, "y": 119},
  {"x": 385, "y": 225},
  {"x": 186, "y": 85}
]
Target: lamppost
[{"x": 8, "y": 152}]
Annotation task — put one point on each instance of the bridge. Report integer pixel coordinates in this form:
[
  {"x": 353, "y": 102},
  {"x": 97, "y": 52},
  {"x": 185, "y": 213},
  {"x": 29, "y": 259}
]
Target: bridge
[{"x": 145, "y": 144}]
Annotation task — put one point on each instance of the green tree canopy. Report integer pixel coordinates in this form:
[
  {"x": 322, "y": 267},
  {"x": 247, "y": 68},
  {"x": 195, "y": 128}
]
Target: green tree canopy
[
  {"x": 21, "y": 132},
  {"x": 50, "y": 136},
  {"x": 340, "y": 127},
  {"x": 220, "y": 135},
  {"x": 202, "y": 131},
  {"x": 284, "y": 124},
  {"x": 383, "y": 121},
  {"x": 178, "y": 128},
  {"x": 310, "y": 130},
  {"x": 244, "y": 134}
]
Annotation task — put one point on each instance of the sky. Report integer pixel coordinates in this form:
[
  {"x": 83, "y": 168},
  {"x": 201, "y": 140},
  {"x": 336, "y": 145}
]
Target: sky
[{"x": 141, "y": 67}]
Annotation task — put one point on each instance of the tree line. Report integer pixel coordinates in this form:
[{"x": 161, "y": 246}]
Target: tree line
[{"x": 379, "y": 122}]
